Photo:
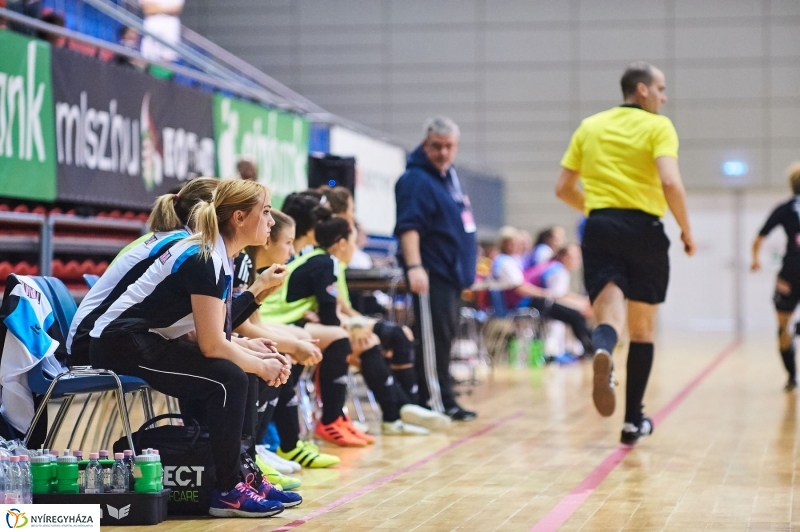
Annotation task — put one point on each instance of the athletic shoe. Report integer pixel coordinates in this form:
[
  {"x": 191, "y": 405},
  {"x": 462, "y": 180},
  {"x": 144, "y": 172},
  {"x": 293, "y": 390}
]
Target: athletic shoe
[
  {"x": 791, "y": 385},
  {"x": 345, "y": 421},
  {"x": 268, "y": 492},
  {"x": 282, "y": 466},
  {"x": 307, "y": 455},
  {"x": 603, "y": 391},
  {"x": 416, "y": 415},
  {"x": 401, "y": 428},
  {"x": 339, "y": 433},
  {"x": 456, "y": 413},
  {"x": 242, "y": 501},
  {"x": 274, "y": 477},
  {"x": 632, "y": 434},
  {"x": 363, "y": 427}
]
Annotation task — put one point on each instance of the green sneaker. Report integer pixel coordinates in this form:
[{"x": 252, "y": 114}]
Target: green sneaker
[
  {"x": 276, "y": 478},
  {"x": 307, "y": 455}
]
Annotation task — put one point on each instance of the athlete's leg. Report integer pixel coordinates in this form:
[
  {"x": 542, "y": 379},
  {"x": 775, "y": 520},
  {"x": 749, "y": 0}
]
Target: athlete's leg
[
  {"x": 641, "y": 324},
  {"x": 610, "y": 311},
  {"x": 786, "y": 345}
]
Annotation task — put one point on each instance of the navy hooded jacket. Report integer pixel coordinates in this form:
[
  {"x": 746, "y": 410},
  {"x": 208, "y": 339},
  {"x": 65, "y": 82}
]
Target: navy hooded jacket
[{"x": 430, "y": 204}]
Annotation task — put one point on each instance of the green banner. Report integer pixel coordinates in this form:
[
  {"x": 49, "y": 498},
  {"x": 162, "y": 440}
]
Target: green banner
[
  {"x": 27, "y": 138},
  {"x": 275, "y": 140}
]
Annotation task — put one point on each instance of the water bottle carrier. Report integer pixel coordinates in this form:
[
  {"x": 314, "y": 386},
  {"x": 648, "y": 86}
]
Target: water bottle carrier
[{"x": 117, "y": 509}]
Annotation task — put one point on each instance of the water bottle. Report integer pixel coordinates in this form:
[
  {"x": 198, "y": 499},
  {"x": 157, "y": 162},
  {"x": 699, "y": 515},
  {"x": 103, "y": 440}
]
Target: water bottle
[
  {"x": 128, "y": 461},
  {"x": 68, "y": 474},
  {"x": 147, "y": 472},
  {"x": 93, "y": 476},
  {"x": 13, "y": 485},
  {"x": 41, "y": 474},
  {"x": 106, "y": 463},
  {"x": 3, "y": 466},
  {"x": 81, "y": 468},
  {"x": 26, "y": 482},
  {"x": 119, "y": 475}
]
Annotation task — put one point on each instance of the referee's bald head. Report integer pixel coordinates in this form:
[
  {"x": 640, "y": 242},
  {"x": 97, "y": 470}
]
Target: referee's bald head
[{"x": 643, "y": 84}]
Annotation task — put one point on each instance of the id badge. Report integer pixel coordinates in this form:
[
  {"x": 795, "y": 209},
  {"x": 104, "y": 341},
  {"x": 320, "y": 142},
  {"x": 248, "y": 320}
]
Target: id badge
[{"x": 466, "y": 217}]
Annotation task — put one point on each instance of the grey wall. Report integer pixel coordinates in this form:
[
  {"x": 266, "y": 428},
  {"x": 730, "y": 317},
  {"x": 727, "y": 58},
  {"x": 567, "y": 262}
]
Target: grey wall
[{"x": 518, "y": 75}]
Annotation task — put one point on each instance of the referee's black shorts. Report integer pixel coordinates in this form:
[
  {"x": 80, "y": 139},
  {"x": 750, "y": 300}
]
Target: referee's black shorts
[{"x": 628, "y": 248}]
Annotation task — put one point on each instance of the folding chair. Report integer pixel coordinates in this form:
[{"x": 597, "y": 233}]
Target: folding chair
[{"x": 78, "y": 381}]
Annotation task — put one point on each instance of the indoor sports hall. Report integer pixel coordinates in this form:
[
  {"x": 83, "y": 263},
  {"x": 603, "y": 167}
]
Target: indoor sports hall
[{"x": 419, "y": 265}]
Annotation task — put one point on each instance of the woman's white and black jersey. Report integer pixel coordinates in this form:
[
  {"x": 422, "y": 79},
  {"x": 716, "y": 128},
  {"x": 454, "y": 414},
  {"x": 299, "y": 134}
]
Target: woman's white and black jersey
[
  {"x": 129, "y": 265},
  {"x": 160, "y": 300}
]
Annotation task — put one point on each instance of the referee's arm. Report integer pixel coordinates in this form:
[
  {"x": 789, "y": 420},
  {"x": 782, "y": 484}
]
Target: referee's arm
[
  {"x": 568, "y": 191},
  {"x": 675, "y": 195}
]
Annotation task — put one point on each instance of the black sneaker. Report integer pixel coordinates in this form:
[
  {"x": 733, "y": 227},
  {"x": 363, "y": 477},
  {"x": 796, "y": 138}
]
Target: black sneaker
[
  {"x": 457, "y": 413},
  {"x": 632, "y": 434},
  {"x": 603, "y": 390},
  {"x": 791, "y": 385}
]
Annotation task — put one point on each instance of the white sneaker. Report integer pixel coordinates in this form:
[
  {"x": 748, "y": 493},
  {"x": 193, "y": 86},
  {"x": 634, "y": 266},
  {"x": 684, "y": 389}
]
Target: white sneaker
[
  {"x": 285, "y": 467},
  {"x": 401, "y": 428},
  {"x": 363, "y": 427},
  {"x": 426, "y": 418}
]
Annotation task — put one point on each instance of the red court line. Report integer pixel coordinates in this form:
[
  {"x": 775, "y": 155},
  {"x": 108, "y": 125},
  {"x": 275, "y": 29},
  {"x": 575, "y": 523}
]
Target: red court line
[
  {"x": 567, "y": 506},
  {"x": 388, "y": 478}
]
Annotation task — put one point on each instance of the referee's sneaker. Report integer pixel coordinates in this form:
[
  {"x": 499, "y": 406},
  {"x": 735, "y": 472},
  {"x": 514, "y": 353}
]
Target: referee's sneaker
[{"x": 626, "y": 158}]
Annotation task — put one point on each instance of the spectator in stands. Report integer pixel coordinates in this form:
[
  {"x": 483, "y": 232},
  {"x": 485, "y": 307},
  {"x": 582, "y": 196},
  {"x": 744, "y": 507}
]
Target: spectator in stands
[
  {"x": 247, "y": 169},
  {"x": 438, "y": 253},
  {"x": 547, "y": 243},
  {"x": 507, "y": 270},
  {"x": 129, "y": 38},
  {"x": 57, "y": 19},
  {"x": 162, "y": 19}
]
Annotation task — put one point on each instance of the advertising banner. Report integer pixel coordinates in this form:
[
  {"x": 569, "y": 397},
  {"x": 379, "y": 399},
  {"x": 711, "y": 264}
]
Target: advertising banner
[
  {"x": 27, "y": 154},
  {"x": 122, "y": 137},
  {"x": 276, "y": 141}
]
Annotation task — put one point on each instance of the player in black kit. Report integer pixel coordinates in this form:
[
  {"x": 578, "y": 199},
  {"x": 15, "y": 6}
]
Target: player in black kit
[{"x": 787, "y": 286}]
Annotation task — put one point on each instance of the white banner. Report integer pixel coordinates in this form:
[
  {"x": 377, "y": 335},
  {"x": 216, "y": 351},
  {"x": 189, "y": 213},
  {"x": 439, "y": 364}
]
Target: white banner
[
  {"x": 378, "y": 166},
  {"x": 46, "y": 517}
]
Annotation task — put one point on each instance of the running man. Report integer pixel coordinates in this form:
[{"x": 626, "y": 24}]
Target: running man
[
  {"x": 787, "y": 285},
  {"x": 627, "y": 161}
]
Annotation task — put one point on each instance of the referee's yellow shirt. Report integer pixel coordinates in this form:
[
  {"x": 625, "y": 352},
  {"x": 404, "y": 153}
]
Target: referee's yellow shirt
[{"x": 615, "y": 152}]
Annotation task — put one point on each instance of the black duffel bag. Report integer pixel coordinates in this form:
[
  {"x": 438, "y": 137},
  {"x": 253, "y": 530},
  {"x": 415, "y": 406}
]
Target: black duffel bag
[
  {"x": 186, "y": 458},
  {"x": 187, "y": 461}
]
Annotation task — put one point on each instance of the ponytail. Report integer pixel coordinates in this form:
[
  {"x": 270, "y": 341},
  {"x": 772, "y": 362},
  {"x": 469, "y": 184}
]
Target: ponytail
[
  {"x": 163, "y": 216},
  {"x": 206, "y": 225},
  {"x": 173, "y": 211}
]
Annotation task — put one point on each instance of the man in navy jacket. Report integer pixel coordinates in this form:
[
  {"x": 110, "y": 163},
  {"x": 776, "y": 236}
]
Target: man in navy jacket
[{"x": 438, "y": 252}]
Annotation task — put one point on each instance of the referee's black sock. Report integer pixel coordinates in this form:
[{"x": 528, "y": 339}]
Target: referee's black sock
[
  {"x": 604, "y": 337},
  {"x": 640, "y": 361},
  {"x": 333, "y": 379},
  {"x": 788, "y": 362}
]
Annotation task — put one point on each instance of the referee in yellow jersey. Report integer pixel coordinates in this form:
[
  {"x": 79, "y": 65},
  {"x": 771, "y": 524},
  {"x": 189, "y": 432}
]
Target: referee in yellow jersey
[{"x": 627, "y": 161}]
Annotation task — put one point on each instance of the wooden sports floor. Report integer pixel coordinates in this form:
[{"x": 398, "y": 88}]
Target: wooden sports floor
[{"x": 723, "y": 457}]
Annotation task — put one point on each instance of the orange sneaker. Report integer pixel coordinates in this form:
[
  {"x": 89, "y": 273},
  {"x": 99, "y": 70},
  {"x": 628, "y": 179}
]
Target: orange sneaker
[
  {"x": 345, "y": 421},
  {"x": 338, "y": 433}
]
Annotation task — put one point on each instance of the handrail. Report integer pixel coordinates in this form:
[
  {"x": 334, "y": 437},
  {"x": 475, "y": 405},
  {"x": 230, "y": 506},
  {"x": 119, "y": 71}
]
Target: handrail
[
  {"x": 218, "y": 83},
  {"x": 250, "y": 71},
  {"x": 122, "y": 16}
]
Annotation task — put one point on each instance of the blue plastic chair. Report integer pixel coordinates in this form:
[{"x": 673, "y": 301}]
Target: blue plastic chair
[
  {"x": 77, "y": 381},
  {"x": 90, "y": 279}
]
